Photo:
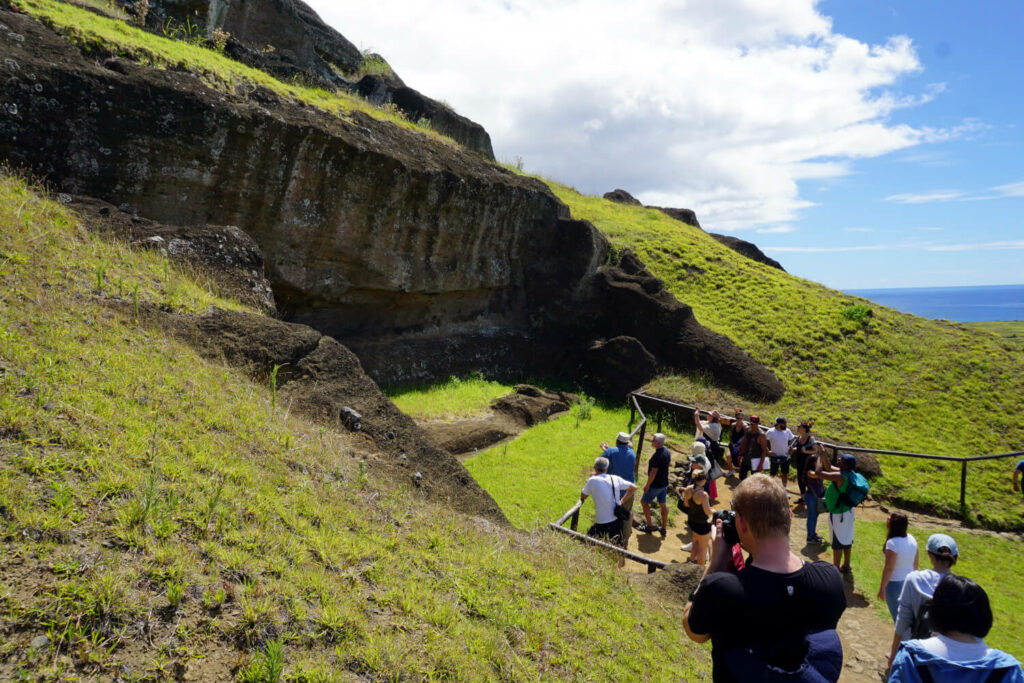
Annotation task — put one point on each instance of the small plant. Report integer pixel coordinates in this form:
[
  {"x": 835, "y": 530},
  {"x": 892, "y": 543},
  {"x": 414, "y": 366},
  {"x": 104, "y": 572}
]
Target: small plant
[
  {"x": 188, "y": 31},
  {"x": 268, "y": 666},
  {"x": 120, "y": 286},
  {"x": 167, "y": 270},
  {"x": 374, "y": 64},
  {"x": 273, "y": 385},
  {"x": 219, "y": 39},
  {"x": 135, "y": 301},
  {"x": 858, "y": 313},
  {"x": 583, "y": 410},
  {"x": 139, "y": 10},
  {"x": 175, "y": 593},
  {"x": 101, "y": 273},
  {"x": 213, "y": 599}
]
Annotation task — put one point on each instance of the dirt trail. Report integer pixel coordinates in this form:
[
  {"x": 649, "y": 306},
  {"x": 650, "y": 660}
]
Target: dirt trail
[{"x": 866, "y": 636}]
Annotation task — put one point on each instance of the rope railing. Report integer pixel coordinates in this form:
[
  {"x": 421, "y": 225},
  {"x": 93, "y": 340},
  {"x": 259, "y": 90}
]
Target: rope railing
[{"x": 637, "y": 397}]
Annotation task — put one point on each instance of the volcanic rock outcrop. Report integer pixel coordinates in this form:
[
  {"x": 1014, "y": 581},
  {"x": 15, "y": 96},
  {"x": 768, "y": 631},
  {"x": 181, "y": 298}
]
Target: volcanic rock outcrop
[
  {"x": 288, "y": 39},
  {"x": 421, "y": 257},
  {"x": 748, "y": 249}
]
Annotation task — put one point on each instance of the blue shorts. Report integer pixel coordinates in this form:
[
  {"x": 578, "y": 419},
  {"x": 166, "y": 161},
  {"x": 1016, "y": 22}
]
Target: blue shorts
[{"x": 653, "y": 493}]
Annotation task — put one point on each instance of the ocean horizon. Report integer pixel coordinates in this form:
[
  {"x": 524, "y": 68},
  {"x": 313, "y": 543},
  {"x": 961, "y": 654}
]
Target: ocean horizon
[{"x": 960, "y": 304}]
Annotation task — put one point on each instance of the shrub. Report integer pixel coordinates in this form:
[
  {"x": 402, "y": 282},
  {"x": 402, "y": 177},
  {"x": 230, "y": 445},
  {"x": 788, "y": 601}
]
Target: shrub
[{"x": 858, "y": 313}]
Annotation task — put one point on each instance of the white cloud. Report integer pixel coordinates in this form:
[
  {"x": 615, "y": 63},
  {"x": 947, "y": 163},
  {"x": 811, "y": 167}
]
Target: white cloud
[
  {"x": 982, "y": 246},
  {"x": 858, "y": 230},
  {"x": 900, "y": 246},
  {"x": 927, "y": 197},
  {"x": 775, "y": 230},
  {"x": 936, "y": 196},
  {"x": 722, "y": 107}
]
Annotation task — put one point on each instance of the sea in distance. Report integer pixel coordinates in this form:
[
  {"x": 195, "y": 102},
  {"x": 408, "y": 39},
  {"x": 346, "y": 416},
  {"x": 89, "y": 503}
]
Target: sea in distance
[{"x": 961, "y": 304}]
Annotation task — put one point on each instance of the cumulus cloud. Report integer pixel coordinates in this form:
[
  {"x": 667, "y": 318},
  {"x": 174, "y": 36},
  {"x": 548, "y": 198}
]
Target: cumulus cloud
[{"x": 722, "y": 107}]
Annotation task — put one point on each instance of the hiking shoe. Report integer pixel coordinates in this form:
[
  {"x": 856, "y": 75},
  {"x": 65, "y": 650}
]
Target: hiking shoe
[
  {"x": 661, "y": 530},
  {"x": 731, "y": 473},
  {"x": 687, "y": 546},
  {"x": 816, "y": 539},
  {"x": 645, "y": 529}
]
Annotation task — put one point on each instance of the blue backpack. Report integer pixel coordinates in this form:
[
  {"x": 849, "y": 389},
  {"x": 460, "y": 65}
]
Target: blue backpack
[
  {"x": 822, "y": 662},
  {"x": 857, "y": 488}
]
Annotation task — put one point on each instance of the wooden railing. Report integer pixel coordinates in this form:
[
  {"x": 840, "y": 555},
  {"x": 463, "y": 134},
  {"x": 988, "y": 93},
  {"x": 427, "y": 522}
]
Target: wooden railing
[
  {"x": 663, "y": 406},
  {"x": 572, "y": 515}
]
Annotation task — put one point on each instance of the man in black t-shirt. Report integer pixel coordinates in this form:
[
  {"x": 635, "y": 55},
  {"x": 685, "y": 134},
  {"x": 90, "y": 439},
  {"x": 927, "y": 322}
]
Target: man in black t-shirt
[
  {"x": 657, "y": 485},
  {"x": 778, "y": 610}
]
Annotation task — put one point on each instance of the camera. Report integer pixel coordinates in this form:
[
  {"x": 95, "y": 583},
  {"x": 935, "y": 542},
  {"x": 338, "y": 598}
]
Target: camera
[{"x": 728, "y": 518}]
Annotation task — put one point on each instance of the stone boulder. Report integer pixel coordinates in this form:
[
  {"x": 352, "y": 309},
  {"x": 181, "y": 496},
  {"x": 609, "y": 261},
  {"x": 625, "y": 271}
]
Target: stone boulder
[
  {"x": 528, "y": 405},
  {"x": 748, "y": 249},
  {"x": 381, "y": 89},
  {"x": 622, "y": 197},
  {"x": 688, "y": 216},
  {"x": 615, "y": 367}
]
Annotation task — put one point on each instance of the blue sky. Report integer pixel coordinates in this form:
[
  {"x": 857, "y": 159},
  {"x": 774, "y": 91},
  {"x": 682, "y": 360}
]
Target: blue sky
[{"x": 863, "y": 144}]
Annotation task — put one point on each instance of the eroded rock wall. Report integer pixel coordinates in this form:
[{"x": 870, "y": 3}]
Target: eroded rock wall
[{"x": 420, "y": 256}]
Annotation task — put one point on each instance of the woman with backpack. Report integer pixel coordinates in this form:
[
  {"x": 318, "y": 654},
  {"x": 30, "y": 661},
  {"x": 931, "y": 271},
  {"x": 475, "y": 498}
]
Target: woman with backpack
[
  {"x": 900, "y": 550},
  {"x": 840, "y": 507},
  {"x": 918, "y": 588},
  {"x": 960, "y": 616}
]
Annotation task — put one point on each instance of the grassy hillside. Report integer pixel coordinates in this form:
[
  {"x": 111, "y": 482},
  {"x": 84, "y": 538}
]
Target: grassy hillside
[
  {"x": 1010, "y": 330},
  {"x": 861, "y": 372},
  {"x": 161, "y": 517},
  {"x": 99, "y": 31}
]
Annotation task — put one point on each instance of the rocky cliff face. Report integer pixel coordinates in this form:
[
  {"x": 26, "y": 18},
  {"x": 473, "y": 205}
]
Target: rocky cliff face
[
  {"x": 288, "y": 39},
  {"x": 422, "y": 257}
]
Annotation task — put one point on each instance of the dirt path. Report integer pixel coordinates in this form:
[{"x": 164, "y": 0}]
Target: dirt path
[{"x": 866, "y": 637}]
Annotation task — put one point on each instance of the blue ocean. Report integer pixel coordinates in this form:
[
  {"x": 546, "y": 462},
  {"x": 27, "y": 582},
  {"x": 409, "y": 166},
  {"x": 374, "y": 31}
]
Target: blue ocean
[{"x": 962, "y": 304}]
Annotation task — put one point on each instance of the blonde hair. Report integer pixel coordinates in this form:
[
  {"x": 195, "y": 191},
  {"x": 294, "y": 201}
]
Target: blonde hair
[{"x": 764, "y": 506}]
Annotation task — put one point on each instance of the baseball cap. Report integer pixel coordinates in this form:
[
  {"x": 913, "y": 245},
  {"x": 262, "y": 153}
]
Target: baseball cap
[
  {"x": 780, "y": 420},
  {"x": 850, "y": 459},
  {"x": 941, "y": 544},
  {"x": 623, "y": 437}
]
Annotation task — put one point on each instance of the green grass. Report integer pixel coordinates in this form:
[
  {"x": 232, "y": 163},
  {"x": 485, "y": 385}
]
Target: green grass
[
  {"x": 453, "y": 398},
  {"x": 989, "y": 560},
  {"x": 538, "y": 476},
  {"x": 885, "y": 379},
  {"x": 94, "y": 32},
  {"x": 1010, "y": 330},
  {"x": 158, "y": 514}
]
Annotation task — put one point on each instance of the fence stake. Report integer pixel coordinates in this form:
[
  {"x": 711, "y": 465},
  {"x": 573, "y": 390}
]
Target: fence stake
[
  {"x": 575, "y": 522},
  {"x": 639, "y": 448},
  {"x": 963, "y": 486},
  {"x": 659, "y": 421}
]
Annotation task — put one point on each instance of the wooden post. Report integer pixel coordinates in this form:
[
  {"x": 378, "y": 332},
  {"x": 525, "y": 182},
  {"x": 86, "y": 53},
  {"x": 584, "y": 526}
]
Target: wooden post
[
  {"x": 659, "y": 421},
  {"x": 639, "y": 449},
  {"x": 575, "y": 522},
  {"x": 963, "y": 486},
  {"x": 632, "y": 411}
]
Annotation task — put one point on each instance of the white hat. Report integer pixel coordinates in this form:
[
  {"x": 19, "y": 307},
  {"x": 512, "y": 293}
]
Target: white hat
[
  {"x": 699, "y": 448},
  {"x": 623, "y": 437}
]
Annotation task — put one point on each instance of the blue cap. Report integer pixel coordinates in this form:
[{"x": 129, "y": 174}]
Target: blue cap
[
  {"x": 941, "y": 544},
  {"x": 850, "y": 459}
]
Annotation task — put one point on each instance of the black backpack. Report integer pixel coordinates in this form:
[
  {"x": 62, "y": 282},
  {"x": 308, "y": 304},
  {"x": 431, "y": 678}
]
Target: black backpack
[{"x": 822, "y": 661}]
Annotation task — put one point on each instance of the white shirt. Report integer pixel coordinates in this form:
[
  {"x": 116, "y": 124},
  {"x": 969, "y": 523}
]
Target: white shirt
[
  {"x": 712, "y": 429},
  {"x": 905, "y": 548},
  {"x": 778, "y": 441},
  {"x": 955, "y": 651},
  {"x": 600, "y": 487}
]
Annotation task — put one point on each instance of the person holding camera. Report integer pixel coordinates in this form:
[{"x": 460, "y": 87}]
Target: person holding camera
[
  {"x": 611, "y": 493},
  {"x": 777, "y": 613},
  {"x": 697, "y": 503},
  {"x": 753, "y": 449}
]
